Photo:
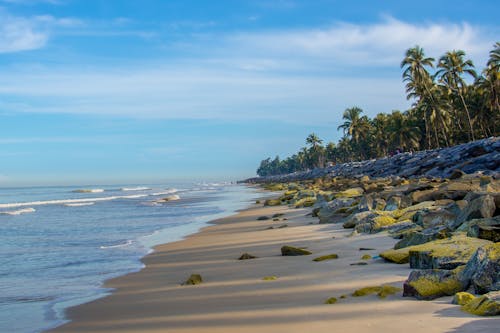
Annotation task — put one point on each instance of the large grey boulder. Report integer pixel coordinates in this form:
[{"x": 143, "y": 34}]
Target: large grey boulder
[
  {"x": 352, "y": 220},
  {"x": 429, "y": 284},
  {"x": 424, "y": 236},
  {"x": 481, "y": 207},
  {"x": 483, "y": 269}
]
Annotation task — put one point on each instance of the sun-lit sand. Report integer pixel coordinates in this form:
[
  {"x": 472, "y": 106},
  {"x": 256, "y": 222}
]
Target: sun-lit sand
[{"x": 234, "y": 297}]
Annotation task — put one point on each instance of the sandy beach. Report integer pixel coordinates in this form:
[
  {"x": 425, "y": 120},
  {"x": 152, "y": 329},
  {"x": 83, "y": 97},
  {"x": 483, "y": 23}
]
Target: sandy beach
[{"x": 234, "y": 297}]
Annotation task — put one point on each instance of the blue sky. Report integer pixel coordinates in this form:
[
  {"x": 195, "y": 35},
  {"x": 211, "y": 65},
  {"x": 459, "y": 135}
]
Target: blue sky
[{"x": 108, "y": 91}]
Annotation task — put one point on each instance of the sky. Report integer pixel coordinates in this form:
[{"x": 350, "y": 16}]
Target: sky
[{"x": 144, "y": 91}]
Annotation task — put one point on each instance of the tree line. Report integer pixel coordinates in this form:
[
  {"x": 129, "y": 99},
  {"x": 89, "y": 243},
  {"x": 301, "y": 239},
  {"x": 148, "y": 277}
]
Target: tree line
[{"x": 446, "y": 111}]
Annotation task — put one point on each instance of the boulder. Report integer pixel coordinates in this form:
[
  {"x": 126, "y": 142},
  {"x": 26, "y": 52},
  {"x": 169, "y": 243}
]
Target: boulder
[
  {"x": 456, "y": 174},
  {"x": 293, "y": 251},
  {"x": 272, "y": 202},
  {"x": 393, "y": 203},
  {"x": 444, "y": 253},
  {"x": 485, "y": 305},
  {"x": 381, "y": 291},
  {"x": 326, "y": 257},
  {"x": 457, "y": 189},
  {"x": 305, "y": 202},
  {"x": 491, "y": 233},
  {"x": 429, "y": 284},
  {"x": 263, "y": 218},
  {"x": 428, "y": 218},
  {"x": 481, "y": 207},
  {"x": 462, "y": 298},
  {"x": 420, "y": 237},
  {"x": 421, "y": 196},
  {"x": 329, "y": 213},
  {"x": 350, "y": 193},
  {"x": 366, "y": 203},
  {"x": 483, "y": 269},
  {"x": 375, "y": 224},
  {"x": 352, "y": 220},
  {"x": 305, "y": 194}
]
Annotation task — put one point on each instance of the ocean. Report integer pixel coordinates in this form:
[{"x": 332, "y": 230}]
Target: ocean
[{"x": 59, "y": 244}]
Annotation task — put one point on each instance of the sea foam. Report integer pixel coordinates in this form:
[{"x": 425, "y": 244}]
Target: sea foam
[
  {"x": 19, "y": 211},
  {"x": 138, "y": 188},
  {"x": 89, "y": 190}
]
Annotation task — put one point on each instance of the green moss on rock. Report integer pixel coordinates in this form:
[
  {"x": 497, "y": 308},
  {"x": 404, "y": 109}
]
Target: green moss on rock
[
  {"x": 272, "y": 202},
  {"x": 462, "y": 298},
  {"x": 246, "y": 256},
  {"x": 486, "y": 305},
  {"x": 326, "y": 257},
  {"x": 193, "y": 280},
  {"x": 293, "y": 251},
  {"x": 381, "y": 291},
  {"x": 305, "y": 202},
  {"x": 366, "y": 257},
  {"x": 331, "y": 300},
  {"x": 269, "y": 278}
]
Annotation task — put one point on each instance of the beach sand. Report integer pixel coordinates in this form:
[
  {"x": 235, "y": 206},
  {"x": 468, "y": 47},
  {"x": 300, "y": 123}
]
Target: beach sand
[{"x": 234, "y": 298}]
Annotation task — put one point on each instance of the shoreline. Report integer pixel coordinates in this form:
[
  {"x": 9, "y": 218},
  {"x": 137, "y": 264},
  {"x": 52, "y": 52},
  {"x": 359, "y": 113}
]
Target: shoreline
[{"x": 233, "y": 295}]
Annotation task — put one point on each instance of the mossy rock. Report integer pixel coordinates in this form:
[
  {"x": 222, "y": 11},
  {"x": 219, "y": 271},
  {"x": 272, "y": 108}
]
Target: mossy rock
[
  {"x": 486, "y": 305},
  {"x": 272, "y": 202},
  {"x": 246, "y": 256},
  {"x": 274, "y": 187},
  {"x": 293, "y": 251},
  {"x": 331, "y": 300},
  {"x": 193, "y": 280},
  {"x": 429, "y": 284},
  {"x": 366, "y": 257},
  {"x": 257, "y": 202},
  {"x": 343, "y": 296},
  {"x": 381, "y": 291},
  {"x": 269, "y": 278},
  {"x": 277, "y": 215},
  {"x": 361, "y": 263},
  {"x": 262, "y": 218},
  {"x": 437, "y": 254},
  {"x": 366, "y": 249},
  {"x": 350, "y": 193},
  {"x": 483, "y": 269},
  {"x": 283, "y": 226},
  {"x": 305, "y": 202},
  {"x": 462, "y": 298},
  {"x": 326, "y": 257}
]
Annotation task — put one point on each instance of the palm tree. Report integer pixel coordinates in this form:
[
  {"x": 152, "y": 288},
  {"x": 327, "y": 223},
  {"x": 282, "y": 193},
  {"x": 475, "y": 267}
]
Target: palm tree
[
  {"x": 403, "y": 132},
  {"x": 313, "y": 140},
  {"x": 419, "y": 82},
  {"x": 452, "y": 66}
]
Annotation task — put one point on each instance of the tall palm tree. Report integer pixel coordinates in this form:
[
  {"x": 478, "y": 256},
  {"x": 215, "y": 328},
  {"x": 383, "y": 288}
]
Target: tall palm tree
[
  {"x": 452, "y": 66},
  {"x": 419, "y": 82},
  {"x": 403, "y": 132},
  {"x": 357, "y": 128},
  {"x": 313, "y": 140}
]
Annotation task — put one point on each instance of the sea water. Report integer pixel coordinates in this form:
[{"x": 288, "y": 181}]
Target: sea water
[{"x": 59, "y": 244}]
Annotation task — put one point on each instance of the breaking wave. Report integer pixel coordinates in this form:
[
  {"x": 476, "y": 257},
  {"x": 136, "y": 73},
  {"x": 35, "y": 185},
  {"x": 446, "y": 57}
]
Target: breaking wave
[{"x": 19, "y": 211}]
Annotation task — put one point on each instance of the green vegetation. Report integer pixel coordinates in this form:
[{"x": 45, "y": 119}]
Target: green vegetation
[
  {"x": 446, "y": 111},
  {"x": 331, "y": 300}
]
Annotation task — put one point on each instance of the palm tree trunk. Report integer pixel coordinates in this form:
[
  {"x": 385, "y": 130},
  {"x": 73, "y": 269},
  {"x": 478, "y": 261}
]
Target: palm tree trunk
[{"x": 468, "y": 116}]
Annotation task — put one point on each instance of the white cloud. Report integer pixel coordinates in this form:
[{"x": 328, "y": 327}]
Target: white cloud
[
  {"x": 29, "y": 33},
  {"x": 20, "y": 34}
]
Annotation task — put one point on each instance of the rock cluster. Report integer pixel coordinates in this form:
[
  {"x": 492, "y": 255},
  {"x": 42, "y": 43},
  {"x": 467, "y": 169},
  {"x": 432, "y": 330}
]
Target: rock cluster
[{"x": 443, "y": 163}]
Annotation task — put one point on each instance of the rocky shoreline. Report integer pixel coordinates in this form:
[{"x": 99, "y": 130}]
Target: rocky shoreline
[
  {"x": 443, "y": 206},
  {"x": 482, "y": 155}
]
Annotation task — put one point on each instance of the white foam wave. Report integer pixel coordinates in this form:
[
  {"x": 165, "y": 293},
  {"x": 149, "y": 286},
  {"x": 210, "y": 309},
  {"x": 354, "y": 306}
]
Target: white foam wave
[
  {"x": 79, "y": 204},
  {"x": 19, "y": 211},
  {"x": 69, "y": 201},
  {"x": 138, "y": 188},
  {"x": 170, "y": 191},
  {"x": 89, "y": 190},
  {"x": 127, "y": 243}
]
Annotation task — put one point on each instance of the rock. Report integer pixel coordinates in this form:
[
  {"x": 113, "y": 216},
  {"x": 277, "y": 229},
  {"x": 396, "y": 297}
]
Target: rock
[
  {"x": 350, "y": 193},
  {"x": 483, "y": 269},
  {"x": 456, "y": 174},
  {"x": 326, "y": 257},
  {"x": 269, "y": 278},
  {"x": 481, "y": 207},
  {"x": 401, "y": 229},
  {"x": 283, "y": 226},
  {"x": 306, "y": 194},
  {"x": 420, "y": 237},
  {"x": 366, "y": 203},
  {"x": 375, "y": 224},
  {"x": 331, "y": 300},
  {"x": 293, "y": 251},
  {"x": 443, "y": 253},
  {"x": 366, "y": 257},
  {"x": 193, "y": 279},
  {"x": 486, "y": 305},
  {"x": 381, "y": 291},
  {"x": 263, "y": 218},
  {"x": 491, "y": 233},
  {"x": 428, "y": 218},
  {"x": 462, "y": 298},
  {"x": 352, "y": 220},
  {"x": 305, "y": 202},
  {"x": 366, "y": 249},
  {"x": 393, "y": 203},
  {"x": 330, "y": 212},
  {"x": 457, "y": 189},
  {"x": 246, "y": 256},
  {"x": 272, "y": 202},
  {"x": 429, "y": 284},
  {"x": 421, "y": 196},
  {"x": 379, "y": 204}
]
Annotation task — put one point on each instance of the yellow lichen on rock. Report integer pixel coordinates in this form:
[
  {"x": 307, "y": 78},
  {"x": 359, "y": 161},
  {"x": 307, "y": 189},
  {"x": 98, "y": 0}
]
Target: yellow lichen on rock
[
  {"x": 269, "y": 278},
  {"x": 305, "y": 202},
  {"x": 383, "y": 221},
  {"x": 462, "y": 298},
  {"x": 326, "y": 257},
  {"x": 331, "y": 300},
  {"x": 483, "y": 306},
  {"x": 396, "y": 256},
  {"x": 428, "y": 286},
  {"x": 381, "y": 291},
  {"x": 366, "y": 257}
]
